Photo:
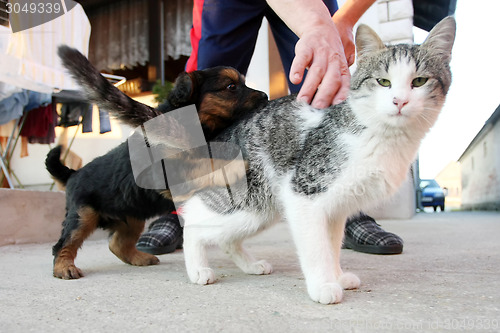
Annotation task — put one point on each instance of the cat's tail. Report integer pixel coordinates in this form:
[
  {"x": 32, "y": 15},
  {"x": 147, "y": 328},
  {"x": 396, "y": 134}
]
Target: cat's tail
[
  {"x": 59, "y": 171},
  {"x": 101, "y": 92}
]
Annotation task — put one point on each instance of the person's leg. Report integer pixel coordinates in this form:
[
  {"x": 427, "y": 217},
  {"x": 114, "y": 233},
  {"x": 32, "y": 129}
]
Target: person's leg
[{"x": 285, "y": 41}]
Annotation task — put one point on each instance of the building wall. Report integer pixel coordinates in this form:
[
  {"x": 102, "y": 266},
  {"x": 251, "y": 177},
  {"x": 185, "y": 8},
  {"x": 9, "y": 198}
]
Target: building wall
[
  {"x": 258, "y": 70},
  {"x": 450, "y": 179},
  {"x": 395, "y": 20},
  {"x": 481, "y": 172}
]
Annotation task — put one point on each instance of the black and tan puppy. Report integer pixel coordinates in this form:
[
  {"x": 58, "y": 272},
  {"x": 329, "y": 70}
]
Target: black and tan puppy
[{"x": 103, "y": 194}]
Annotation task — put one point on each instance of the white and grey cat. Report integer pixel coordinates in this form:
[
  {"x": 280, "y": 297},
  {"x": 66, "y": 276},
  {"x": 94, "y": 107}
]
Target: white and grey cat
[{"x": 314, "y": 168}]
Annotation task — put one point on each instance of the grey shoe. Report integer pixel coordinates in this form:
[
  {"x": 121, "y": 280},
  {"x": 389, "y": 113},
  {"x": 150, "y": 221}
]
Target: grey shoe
[
  {"x": 363, "y": 234},
  {"x": 163, "y": 236}
]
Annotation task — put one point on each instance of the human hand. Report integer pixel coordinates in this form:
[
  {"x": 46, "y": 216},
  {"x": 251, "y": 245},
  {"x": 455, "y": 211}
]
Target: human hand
[
  {"x": 320, "y": 50},
  {"x": 347, "y": 37}
]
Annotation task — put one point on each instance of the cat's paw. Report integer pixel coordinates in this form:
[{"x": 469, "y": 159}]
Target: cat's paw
[
  {"x": 328, "y": 293},
  {"x": 260, "y": 267},
  {"x": 349, "y": 281},
  {"x": 202, "y": 275}
]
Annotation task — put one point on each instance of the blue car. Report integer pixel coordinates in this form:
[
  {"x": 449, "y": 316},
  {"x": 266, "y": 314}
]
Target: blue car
[{"x": 432, "y": 194}]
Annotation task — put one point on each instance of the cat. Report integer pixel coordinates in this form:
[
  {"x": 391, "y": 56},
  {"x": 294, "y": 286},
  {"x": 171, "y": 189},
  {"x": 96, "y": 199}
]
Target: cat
[{"x": 316, "y": 167}]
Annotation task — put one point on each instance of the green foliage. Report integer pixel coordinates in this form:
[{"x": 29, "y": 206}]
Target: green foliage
[{"x": 162, "y": 91}]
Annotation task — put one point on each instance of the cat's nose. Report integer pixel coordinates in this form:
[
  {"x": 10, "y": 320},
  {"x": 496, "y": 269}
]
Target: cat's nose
[{"x": 399, "y": 102}]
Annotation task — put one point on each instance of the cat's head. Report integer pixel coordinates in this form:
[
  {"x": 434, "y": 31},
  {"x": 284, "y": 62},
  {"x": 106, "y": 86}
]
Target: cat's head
[{"x": 402, "y": 85}]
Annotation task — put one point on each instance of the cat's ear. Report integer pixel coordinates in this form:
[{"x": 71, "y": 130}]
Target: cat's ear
[
  {"x": 440, "y": 39},
  {"x": 367, "y": 40}
]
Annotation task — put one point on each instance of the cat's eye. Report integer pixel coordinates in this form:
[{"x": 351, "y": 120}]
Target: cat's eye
[
  {"x": 384, "y": 82},
  {"x": 418, "y": 82}
]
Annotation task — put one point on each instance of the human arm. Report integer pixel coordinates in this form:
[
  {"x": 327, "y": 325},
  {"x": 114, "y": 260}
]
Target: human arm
[{"x": 345, "y": 18}]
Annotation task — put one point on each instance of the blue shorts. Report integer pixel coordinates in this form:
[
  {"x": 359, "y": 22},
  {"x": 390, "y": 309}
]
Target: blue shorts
[{"x": 224, "y": 33}]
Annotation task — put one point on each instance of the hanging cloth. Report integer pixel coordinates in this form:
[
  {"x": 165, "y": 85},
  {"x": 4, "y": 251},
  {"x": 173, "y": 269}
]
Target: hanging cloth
[
  {"x": 16, "y": 104},
  {"x": 29, "y": 57},
  {"x": 39, "y": 126}
]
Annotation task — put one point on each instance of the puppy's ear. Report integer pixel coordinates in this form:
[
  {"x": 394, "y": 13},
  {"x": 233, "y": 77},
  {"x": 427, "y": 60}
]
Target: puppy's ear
[{"x": 185, "y": 90}]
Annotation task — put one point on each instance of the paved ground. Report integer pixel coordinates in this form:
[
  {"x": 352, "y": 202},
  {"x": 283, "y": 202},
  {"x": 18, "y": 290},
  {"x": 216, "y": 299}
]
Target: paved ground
[{"x": 446, "y": 279}]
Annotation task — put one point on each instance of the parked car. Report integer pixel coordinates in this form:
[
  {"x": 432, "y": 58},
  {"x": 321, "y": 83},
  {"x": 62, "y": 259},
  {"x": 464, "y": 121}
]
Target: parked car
[{"x": 432, "y": 194}]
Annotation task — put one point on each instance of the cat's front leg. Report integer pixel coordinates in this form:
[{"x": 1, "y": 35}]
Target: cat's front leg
[
  {"x": 310, "y": 230},
  {"x": 346, "y": 280},
  {"x": 198, "y": 232},
  {"x": 195, "y": 257}
]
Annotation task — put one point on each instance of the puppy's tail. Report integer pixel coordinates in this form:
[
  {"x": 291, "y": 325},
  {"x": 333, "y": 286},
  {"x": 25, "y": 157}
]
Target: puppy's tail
[
  {"x": 101, "y": 92},
  {"x": 54, "y": 166}
]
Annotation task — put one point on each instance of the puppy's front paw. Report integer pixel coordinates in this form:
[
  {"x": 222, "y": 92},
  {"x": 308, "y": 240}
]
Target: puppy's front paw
[
  {"x": 144, "y": 259},
  {"x": 202, "y": 275},
  {"x": 349, "y": 281},
  {"x": 67, "y": 272},
  {"x": 260, "y": 267},
  {"x": 327, "y": 293}
]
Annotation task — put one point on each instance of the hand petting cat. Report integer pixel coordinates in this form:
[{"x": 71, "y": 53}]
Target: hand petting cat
[
  {"x": 319, "y": 50},
  {"x": 326, "y": 50},
  {"x": 328, "y": 76}
]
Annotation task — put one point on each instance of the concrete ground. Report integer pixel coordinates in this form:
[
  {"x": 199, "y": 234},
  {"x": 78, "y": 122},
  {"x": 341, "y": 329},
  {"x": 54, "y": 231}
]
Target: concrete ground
[{"x": 447, "y": 279}]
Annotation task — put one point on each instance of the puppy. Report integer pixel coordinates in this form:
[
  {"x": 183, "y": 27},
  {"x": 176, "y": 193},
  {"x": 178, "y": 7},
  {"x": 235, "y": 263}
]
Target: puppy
[{"x": 103, "y": 194}]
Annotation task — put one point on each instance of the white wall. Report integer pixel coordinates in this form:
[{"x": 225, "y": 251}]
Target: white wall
[
  {"x": 481, "y": 172},
  {"x": 258, "y": 72}
]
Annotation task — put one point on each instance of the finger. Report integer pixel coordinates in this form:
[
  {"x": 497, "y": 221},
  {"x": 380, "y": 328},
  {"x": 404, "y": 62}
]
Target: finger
[
  {"x": 309, "y": 88},
  {"x": 343, "y": 92},
  {"x": 350, "y": 60},
  {"x": 334, "y": 88},
  {"x": 302, "y": 59},
  {"x": 329, "y": 88},
  {"x": 349, "y": 53},
  {"x": 315, "y": 75}
]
